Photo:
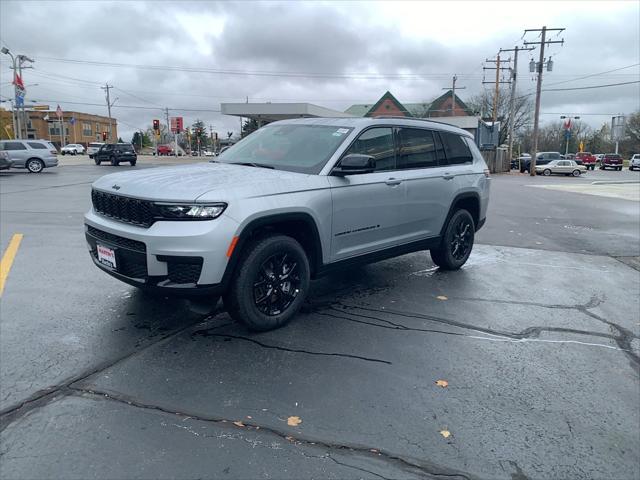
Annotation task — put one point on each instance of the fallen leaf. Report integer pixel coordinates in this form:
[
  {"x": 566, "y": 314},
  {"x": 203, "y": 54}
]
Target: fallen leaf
[
  {"x": 291, "y": 439},
  {"x": 294, "y": 421},
  {"x": 445, "y": 433},
  {"x": 249, "y": 417},
  {"x": 442, "y": 297},
  {"x": 442, "y": 383},
  {"x": 238, "y": 424}
]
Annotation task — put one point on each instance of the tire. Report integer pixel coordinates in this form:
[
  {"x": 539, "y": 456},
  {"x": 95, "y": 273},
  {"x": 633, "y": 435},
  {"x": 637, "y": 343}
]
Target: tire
[
  {"x": 546, "y": 172},
  {"x": 619, "y": 169},
  {"x": 253, "y": 276},
  {"x": 133, "y": 163},
  {"x": 459, "y": 233},
  {"x": 73, "y": 152},
  {"x": 576, "y": 173},
  {"x": 63, "y": 153},
  {"x": 97, "y": 161},
  {"x": 35, "y": 165},
  {"x": 113, "y": 161}
]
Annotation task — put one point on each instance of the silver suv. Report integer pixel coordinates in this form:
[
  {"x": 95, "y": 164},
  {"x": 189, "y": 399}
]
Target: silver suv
[
  {"x": 290, "y": 202},
  {"x": 34, "y": 155}
]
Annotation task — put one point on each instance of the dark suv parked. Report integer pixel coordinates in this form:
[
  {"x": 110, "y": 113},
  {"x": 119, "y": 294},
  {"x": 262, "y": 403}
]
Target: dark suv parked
[
  {"x": 115, "y": 153},
  {"x": 542, "y": 158}
]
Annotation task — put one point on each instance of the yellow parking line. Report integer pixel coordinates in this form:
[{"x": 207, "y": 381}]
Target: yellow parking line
[{"x": 7, "y": 259}]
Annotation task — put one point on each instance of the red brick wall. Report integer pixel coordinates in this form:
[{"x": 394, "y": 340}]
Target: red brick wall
[
  {"x": 387, "y": 108},
  {"x": 446, "y": 105}
]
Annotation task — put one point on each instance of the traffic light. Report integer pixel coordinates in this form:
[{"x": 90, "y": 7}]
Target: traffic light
[
  {"x": 156, "y": 126},
  {"x": 104, "y": 136}
]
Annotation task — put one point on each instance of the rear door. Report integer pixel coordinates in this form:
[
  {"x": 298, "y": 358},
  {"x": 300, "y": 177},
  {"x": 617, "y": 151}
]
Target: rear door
[
  {"x": 430, "y": 180},
  {"x": 18, "y": 152}
]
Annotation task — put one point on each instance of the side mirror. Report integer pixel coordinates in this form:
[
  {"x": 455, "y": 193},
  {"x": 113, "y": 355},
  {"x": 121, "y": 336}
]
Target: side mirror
[{"x": 354, "y": 164}]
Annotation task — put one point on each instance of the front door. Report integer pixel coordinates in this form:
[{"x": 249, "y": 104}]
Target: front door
[{"x": 368, "y": 209}]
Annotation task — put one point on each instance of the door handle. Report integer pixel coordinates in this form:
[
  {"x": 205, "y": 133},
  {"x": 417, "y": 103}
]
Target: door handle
[
  {"x": 393, "y": 182},
  {"x": 447, "y": 176}
]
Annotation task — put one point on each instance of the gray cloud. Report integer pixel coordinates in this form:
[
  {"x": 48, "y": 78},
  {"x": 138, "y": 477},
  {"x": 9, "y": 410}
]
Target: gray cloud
[{"x": 314, "y": 37}]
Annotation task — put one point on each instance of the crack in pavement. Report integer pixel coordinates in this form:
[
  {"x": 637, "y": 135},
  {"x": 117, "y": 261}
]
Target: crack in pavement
[
  {"x": 43, "y": 396},
  {"x": 623, "y": 339},
  {"x": 405, "y": 463},
  {"x": 205, "y": 333}
]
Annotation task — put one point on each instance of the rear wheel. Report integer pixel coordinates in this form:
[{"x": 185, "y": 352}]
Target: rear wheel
[
  {"x": 35, "y": 165},
  {"x": 546, "y": 172},
  {"x": 133, "y": 163},
  {"x": 270, "y": 283},
  {"x": 457, "y": 242},
  {"x": 97, "y": 160}
]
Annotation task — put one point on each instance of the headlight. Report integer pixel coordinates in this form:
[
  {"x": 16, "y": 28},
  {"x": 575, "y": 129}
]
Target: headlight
[{"x": 190, "y": 212}]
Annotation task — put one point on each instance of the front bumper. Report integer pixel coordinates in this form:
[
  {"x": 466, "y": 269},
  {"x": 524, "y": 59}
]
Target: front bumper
[{"x": 187, "y": 257}]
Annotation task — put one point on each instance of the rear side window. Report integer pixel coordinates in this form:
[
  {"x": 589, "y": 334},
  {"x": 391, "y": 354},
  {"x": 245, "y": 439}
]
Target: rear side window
[
  {"x": 456, "y": 148},
  {"x": 377, "y": 142},
  {"x": 37, "y": 146},
  {"x": 14, "y": 146},
  {"x": 417, "y": 149}
]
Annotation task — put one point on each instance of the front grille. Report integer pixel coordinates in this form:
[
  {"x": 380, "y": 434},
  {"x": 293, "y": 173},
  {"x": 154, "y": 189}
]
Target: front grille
[
  {"x": 124, "y": 209},
  {"x": 117, "y": 240},
  {"x": 184, "y": 272}
]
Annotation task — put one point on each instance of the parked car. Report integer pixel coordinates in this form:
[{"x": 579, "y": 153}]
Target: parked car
[
  {"x": 611, "y": 160},
  {"x": 5, "y": 162},
  {"x": 34, "y": 155},
  {"x": 634, "y": 162},
  {"x": 542, "y": 158},
  {"x": 209, "y": 153},
  {"x": 563, "y": 167},
  {"x": 72, "y": 149},
  {"x": 599, "y": 157},
  {"x": 569, "y": 156},
  {"x": 517, "y": 162},
  {"x": 587, "y": 159},
  {"x": 164, "y": 150},
  {"x": 93, "y": 148},
  {"x": 115, "y": 153},
  {"x": 291, "y": 202}
]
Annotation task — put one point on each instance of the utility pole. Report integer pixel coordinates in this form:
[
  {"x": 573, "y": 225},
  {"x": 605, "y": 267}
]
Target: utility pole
[
  {"x": 539, "y": 68},
  {"x": 106, "y": 88},
  {"x": 25, "y": 123},
  {"x": 512, "y": 97},
  {"x": 453, "y": 94},
  {"x": 497, "y": 81},
  {"x": 17, "y": 128},
  {"x": 166, "y": 114}
]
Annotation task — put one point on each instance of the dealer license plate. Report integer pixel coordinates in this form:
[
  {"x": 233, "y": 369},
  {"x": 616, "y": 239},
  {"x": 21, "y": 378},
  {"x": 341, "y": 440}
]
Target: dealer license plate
[{"x": 107, "y": 256}]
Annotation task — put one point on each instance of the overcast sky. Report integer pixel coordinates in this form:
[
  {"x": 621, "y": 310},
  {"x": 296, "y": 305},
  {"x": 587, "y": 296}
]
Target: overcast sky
[{"x": 332, "y": 54}]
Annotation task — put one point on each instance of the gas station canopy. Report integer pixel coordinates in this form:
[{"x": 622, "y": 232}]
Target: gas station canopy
[{"x": 271, "y": 112}]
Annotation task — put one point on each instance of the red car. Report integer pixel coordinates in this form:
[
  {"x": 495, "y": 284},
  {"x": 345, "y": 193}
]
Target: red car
[
  {"x": 165, "y": 150},
  {"x": 587, "y": 159},
  {"x": 611, "y": 160}
]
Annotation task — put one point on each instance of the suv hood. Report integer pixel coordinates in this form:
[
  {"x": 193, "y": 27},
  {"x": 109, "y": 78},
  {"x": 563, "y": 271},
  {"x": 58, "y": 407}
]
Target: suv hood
[{"x": 188, "y": 182}]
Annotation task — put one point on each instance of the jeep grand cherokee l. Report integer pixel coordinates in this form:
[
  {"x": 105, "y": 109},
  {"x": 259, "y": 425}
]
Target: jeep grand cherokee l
[{"x": 288, "y": 203}]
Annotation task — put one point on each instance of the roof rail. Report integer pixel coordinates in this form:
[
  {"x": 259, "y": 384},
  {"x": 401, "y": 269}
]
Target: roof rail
[{"x": 398, "y": 117}]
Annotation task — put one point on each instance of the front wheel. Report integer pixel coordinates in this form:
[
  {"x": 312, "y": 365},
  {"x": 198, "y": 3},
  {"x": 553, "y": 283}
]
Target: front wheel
[
  {"x": 114, "y": 162},
  {"x": 97, "y": 161},
  {"x": 546, "y": 172},
  {"x": 133, "y": 163},
  {"x": 576, "y": 173},
  {"x": 35, "y": 165},
  {"x": 457, "y": 242},
  {"x": 269, "y": 284}
]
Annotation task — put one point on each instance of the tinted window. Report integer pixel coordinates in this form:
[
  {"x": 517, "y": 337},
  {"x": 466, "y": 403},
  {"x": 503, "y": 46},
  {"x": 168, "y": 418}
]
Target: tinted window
[
  {"x": 456, "y": 148},
  {"x": 416, "y": 148},
  {"x": 377, "y": 142},
  {"x": 442, "y": 158},
  {"x": 36, "y": 145},
  {"x": 553, "y": 156},
  {"x": 14, "y": 146}
]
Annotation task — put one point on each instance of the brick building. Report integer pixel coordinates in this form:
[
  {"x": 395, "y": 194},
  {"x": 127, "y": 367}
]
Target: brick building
[
  {"x": 388, "y": 105},
  {"x": 79, "y": 127}
]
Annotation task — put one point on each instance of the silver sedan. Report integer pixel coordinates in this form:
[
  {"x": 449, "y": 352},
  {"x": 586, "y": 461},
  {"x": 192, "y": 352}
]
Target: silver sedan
[{"x": 564, "y": 167}]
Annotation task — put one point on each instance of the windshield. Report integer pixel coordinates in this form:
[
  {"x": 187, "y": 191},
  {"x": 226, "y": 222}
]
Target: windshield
[{"x": 296, "y": 148}]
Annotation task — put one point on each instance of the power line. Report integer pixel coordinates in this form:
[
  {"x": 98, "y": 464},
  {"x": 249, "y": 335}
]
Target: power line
[
  {"x": 581, "y": 88},
  {"x": 595, "y": 74},
  {"x": 140, "y": 107}
]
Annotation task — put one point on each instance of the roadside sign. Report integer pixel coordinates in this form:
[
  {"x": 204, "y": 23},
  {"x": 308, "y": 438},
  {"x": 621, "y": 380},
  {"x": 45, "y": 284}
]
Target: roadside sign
[{"x": 40, "y": 107}]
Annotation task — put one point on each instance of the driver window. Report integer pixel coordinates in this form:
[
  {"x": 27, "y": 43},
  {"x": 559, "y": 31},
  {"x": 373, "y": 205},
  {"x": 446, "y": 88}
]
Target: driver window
[{"x": 377, "y": 142}]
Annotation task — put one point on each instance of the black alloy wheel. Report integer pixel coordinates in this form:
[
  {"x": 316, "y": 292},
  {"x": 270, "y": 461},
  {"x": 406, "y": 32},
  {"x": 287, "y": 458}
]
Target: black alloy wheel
[
  {"x": 277, "y": 284},
  {"x": 462, "y": 239},
  {"x": 457, "y": 242}
]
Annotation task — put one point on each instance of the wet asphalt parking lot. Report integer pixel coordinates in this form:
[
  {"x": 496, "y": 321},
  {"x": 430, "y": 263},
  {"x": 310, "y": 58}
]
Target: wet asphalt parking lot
[{"x": 537, "y": 340}]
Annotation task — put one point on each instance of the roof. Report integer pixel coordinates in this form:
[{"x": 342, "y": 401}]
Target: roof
[
  {"x": 359, "y": 109},
  {"x": 388, "y": 96},
  {"x": 459, "y": 103},
  {"x": 362, "y": 122},
  {"x": 278, "y": 111},
  {"x": 420, "y": 110}
]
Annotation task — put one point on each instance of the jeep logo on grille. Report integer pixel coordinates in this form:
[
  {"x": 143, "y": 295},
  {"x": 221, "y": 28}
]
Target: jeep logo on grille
[{"x": 115, "y": 187}]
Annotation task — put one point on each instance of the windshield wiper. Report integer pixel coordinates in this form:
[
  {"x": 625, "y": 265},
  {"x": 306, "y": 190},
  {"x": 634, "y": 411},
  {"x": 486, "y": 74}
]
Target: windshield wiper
[{"x": 251, "y": 164}]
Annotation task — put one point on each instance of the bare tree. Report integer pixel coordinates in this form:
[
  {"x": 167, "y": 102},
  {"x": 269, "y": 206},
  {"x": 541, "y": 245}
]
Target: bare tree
[{"x": 483, "y": 103}]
